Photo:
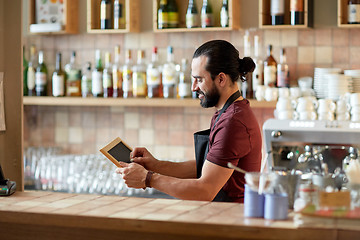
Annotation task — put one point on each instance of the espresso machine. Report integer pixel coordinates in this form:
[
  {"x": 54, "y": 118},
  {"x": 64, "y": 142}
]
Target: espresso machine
[{"x": 286, "y": 140}]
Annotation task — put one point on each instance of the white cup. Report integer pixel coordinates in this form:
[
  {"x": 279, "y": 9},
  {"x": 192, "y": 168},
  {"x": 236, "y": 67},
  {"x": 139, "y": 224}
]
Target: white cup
[
  {"x": 284, "y": 115},
  {"x": 355, "y": 117},
  {"x": 355, "y": 99},
  {"x": 305, "y": 82},
  {"x": 295, "y": 92},
  {"x": 326, "y": 116},
  {"x": 306, "y": 115},
  {"x": 260, "y": 92},
  {"x": 306, "y": 104},
  {"x": 342, "y": 106},
  {"x": 284, "y": 104},
  {"x": 305, "y": 92},
  {"x": 271, "y": 94},
  {"x": 326, "y": 105},
  {"x": 343, "y": 116},
  {"x": 284, "y": 92}
]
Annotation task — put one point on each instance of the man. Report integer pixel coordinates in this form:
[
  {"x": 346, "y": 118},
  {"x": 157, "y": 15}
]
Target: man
[{"x": 234, "y": 136}]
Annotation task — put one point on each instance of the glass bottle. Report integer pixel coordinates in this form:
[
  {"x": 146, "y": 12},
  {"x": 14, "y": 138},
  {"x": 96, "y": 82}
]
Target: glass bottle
[
  {"x": 169, "y": 75},
  {"x": 25, "y": 69},
  {"x": 283, "y": 79},
  {"x": 31, "y": 72},
  {"x": 184, "y": 86},
  {"x": 224, "y": 14},
  {"x": 206, "y": 15},
  {"x": 119, "y": 16},
  {"x": 117, "y": 74},
  {"x": 41, "y": 77},
  {"x": 257, "y": 75},
  {"x": 97, "y": 85},
  {"x": 162, "y": 14},
  {"x": 105, "y": 14},
  {"x": 58, "y": 78},
  {"x": 139, "y": 76},
  {"x": 107, "y": 77},
  {"x": 192, "y": 15},
  {"x": 86, "y": 81},
  {"x": 173, "y": 14},
  {"x": 127, "y": 75},
  {"x": 277, "y": 12},
  {"x": 270, "y": 67},
  {"x": 73, "y": 77},
  {"x": 353, "y": 156},
  {"x": 353, "y": 11},
  {"x": 153, "y": 76},
  {"x": 296, "y": 12}
]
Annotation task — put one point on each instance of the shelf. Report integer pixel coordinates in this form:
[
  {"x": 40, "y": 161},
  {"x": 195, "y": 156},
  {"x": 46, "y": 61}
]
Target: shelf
[
  {"x": 265, "y": 17},
  {"x": 129, "y": 102},
  {"x": 132, "y": 17},
  {"x": 71, "y": 25},
  {"x": 342, "y": 20},
  {"x": 234, "y": 16}
]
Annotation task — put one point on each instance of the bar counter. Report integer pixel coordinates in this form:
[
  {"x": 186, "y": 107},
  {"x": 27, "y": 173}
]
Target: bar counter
[{"x": 48, "y": 215}]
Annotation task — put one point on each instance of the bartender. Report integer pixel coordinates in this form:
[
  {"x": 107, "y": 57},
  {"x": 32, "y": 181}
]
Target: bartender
[{"x": 233, "y": 137}]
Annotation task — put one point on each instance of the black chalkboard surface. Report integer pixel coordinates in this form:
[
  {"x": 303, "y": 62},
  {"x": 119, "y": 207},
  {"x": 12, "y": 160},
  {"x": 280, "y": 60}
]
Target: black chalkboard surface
[{"x": 117, "y": 151}]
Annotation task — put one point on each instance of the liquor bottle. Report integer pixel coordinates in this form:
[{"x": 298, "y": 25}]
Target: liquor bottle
[
  {"x": 97, "y": 85},
  {"x": 184, "y": 86},
  {"x": 296, "y": 12},
  {"x": 31, "y": 72},
  {"x": 107, "y": 77},
  {"x": 86, "y": 81},
  {"x": 192, "y": 15},
  {"x": 257, "y": 75},
  {"x": 153, "y": 76},
  {"x": 224, "y": 14},
  {"x": 119, "y": 16},
  {"x": 283, "y": 71},
  {"x": 246, "y": 86},
  {"x": 127, "y": 75},
  {"x": 139, "y": 76},
  {"x": 206, "y": 15},
  {"x": 353, "y": 11},
  {"x": 270, "y": 66},
  {"x": 162, "y": 15},
  {"x": 105, "y": 14},
  {"x": 41, "y": 77},
  {"x": 73, "y": 77},
  {"x": 169, "y": 75},
  {"x": 58, "y": 78},
  {"x": 173, "y": 14},
  {"x": 117, "y": 74},
  {"x": 25, "y": 69},
  {"x": 277, "y": 12}
]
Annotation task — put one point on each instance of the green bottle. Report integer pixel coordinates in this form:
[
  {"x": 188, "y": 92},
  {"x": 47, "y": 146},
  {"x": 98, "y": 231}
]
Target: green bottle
[
  {"x": 173, "y": 14},
  {"x": 41, "y": 77},
  {"x": 163, "y": 15},
  {"x": 206, "y": 15}
]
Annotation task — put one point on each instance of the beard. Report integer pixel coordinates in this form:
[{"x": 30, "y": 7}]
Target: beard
[{"x": 211, "y": 98}]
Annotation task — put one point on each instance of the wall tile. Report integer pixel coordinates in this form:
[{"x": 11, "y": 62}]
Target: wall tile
[
  {"x": 354, "y": 37},
  {"x": 132, "y": 120},
  {"x": 323, "y": 55},
  {"x": 289, "y": 38},
  {"x": 161, "y": 136},
  {"x": 146, "y": 137},
  {"x": 306, "y": 55},
  {"x": 272, "y": 37},
  {"x": 354, "y": 55},
  {"x": 61, "y": 119},
  {"x": 61, "y": 134},
  {"x": 176, "y": 137},
  {"x": 161, "y": 121},
  {"x": 132, "y": 40},
  {"x": 323, "y": 37},
  {"x": 75, "y": 135},
  {"x": 306, "y": 37},
  {"x": 340, "y": 37},
  {"x": 340, "y": 55}
]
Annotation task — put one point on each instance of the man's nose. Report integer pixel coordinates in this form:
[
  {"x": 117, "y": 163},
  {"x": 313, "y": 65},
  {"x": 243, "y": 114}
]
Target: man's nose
[{"x": 194, "y": 85}]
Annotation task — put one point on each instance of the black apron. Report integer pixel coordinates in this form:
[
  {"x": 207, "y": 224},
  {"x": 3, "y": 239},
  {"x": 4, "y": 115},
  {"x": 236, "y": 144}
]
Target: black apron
[{"x": 201, "y": 141}]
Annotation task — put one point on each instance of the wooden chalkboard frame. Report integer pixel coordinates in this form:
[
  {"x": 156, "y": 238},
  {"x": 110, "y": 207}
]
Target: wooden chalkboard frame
[{"x": 117, "y": 146}]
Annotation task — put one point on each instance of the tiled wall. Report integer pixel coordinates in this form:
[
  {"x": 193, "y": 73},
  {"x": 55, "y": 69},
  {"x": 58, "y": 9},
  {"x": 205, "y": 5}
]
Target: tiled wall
[{"x": 168, "y": 131}]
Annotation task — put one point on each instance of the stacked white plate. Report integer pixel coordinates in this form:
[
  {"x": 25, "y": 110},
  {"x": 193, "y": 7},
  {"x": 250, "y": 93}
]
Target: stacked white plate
[
  {"x": 355, "y": 74},
  {"x": 321, "y": 82},
  {"x": 338, "y": 85}
]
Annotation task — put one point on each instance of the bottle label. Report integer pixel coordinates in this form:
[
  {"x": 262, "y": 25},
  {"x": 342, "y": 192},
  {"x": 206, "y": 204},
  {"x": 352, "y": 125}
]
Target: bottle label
[
  {"x": 107, "y": 81},
  {"x": 73, "y": 75},
  {"x": 168, "y": 75},
  {"x": 297, "y": 5},
  {"x": 354, "y": 13},
  {"x": 173, "y": 18},
  {"x": 31, "y": 78},
  {"x": 269, "y": 76},
  {"x": 162, "y": 19},
  {"x": 277, "y": 7},
  {"x": 184, "y": 90},
  {"x": 97, "y": 86},
  {"x": 153, "y": 77},
  {"x": 206, "y": 20},
  {"x": 192, "y": 20},
  {"x": 40, "y": 81},
  {"x": 58, "y": 83},
  {"x": 224, "y": 18},
  {"x": 105, "y": 13},
  {"x": 116, "y": 78},
  {"x": 139, "y": 83},
  {"x": 283, "y": 79},
  {"x": 127, "y": 81},
  {"x": 86, "y": 86}
]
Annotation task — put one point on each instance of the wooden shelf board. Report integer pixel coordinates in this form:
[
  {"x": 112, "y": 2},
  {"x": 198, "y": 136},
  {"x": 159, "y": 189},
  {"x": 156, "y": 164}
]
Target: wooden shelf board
[
  {"x": 106, "y": 31},
  {"x": 198, "y": 29},
  {"x": 283, "y": 26}
]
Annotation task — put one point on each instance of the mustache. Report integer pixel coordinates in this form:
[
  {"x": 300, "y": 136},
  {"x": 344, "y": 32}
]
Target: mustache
[{"x": 200, "y": 92}]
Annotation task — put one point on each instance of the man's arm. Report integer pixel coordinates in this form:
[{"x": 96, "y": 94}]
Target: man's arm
[{"x": 186, "y": 169}]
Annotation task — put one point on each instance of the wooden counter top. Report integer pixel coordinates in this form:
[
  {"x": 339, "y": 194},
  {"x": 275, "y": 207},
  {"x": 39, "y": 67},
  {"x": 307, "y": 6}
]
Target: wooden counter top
[{"x": 48, "y": 215}]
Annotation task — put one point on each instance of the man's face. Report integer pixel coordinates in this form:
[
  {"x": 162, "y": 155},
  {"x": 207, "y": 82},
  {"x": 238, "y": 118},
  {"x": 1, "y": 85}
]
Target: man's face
[{"x": 203, "y": 84}]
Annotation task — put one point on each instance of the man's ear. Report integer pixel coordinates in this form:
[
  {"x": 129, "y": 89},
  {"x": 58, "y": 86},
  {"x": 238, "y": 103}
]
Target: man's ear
[{"x": 222, "y": 79}]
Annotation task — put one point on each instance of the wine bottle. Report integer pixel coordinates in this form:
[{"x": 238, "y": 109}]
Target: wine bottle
[
  {"x": 283, "y": 71},
  {"x": 224, "y": 14},
  {"x": 119, "y": 16},
  {"x": 173, "y": 14},
  {"x": 169, "y": 75},
  {"x": 31, "y": 72},
  {"x": 97, "y": 86},
  {"x": 41, "y": 77},
  {"x": 206, "y": 15},
  {"x": 107, "y": 77},
  {"x": 117, "y": 74},
  {"x": 153, "y": 76},
  {"x": 139, "y": 76},
  {"x": 127, "y": 75},
  {"x": 73, "y": 77},
  {"x": 184, "y": 86},
  {"x": 58, "y": 78},
  {"x": 353, "y": 11},
  {"x": 105, "y": 14},
  {"x": 192, "y": 15},
  {"x": 277, "y": 12},
  {"x": 257, "y": 75},
  {"x": 162, "y": 15},
  {"x": 86, "y": 81},
  {"x": 25, "y": 69},
  {"x": 270, "y": 67},
  {"x": 296, "y": 12}
]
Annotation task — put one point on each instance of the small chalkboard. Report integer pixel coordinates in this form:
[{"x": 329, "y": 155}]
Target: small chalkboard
[{"x": 117, "y": 151}]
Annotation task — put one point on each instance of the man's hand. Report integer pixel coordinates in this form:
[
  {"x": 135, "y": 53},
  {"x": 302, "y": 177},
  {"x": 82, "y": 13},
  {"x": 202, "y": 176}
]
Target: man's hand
[
  {"x": 134, "y": 175},
  {"x": 143, "y": 157}
]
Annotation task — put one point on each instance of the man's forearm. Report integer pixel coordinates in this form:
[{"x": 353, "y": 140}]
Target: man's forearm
[{"x": 185, "y": 169}]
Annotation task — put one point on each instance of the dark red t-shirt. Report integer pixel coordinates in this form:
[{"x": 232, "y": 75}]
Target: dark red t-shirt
[{"x": 236, "y": 138}]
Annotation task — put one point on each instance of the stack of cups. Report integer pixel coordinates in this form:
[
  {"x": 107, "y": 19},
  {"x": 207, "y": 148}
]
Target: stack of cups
[
  {"x": 326, "y": 109},
  {"x": 284, "y": 109},
  {"x": 355, "y": 107},
  {"x": 305, "y": 108},
  {"x": 342, "y": 110}
]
